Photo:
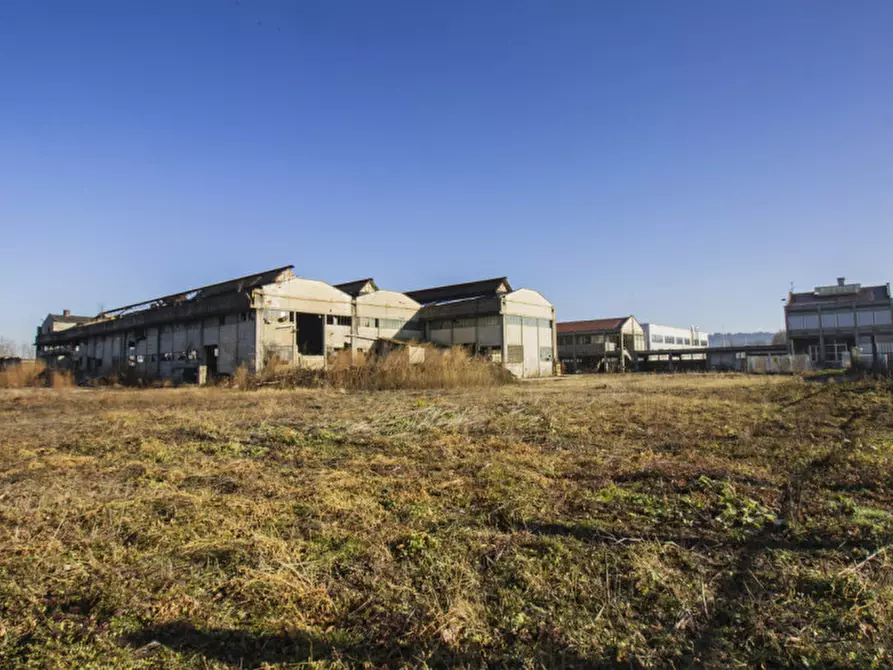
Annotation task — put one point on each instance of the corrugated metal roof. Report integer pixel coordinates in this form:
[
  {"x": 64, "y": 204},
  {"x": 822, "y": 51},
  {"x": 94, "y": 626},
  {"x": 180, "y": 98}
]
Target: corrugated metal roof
[
  {"x": 355, "y": 288},
  {"x": 472, "y": 289},
  {"x": 593, "y": 325},
  {"x": 864, "y": 294}
]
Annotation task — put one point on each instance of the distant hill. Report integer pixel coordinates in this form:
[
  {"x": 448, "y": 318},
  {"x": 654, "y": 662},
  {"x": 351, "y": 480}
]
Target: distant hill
[{"x": 739, "y": 339}]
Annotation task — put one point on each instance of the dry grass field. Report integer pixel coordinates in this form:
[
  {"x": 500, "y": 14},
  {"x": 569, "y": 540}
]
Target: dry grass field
[{"x": 635, "y": 521}]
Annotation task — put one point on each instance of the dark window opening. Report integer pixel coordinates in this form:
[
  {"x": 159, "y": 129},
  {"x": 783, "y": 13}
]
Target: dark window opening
[
  {"x": 210, "y": 360},
  {"x": 310, "y": 334}
]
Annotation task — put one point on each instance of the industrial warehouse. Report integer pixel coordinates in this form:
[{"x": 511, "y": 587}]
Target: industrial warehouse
[
  {"x": 277, "y": 316},
  {"x": 210, "y": 331}
]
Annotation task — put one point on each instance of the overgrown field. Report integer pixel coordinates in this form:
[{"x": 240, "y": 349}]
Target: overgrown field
[{"x": 679, "y": 521}]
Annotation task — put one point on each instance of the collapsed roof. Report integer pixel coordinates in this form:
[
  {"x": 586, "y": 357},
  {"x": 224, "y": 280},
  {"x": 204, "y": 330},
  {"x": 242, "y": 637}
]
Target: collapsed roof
[{"x": 463, "y": 291}]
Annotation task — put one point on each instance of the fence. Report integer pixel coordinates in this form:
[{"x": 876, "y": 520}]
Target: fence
[{"x": 778, "y": 364}]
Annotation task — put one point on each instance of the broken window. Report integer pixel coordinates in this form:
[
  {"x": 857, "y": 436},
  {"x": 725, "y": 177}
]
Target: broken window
[
  {"x": 515, "y": 353},
  {"x": 545, "y": 353}
]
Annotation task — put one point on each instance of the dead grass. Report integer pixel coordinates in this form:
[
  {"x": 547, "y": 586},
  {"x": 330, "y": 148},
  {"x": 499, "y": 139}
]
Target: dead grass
[
  {"x": 22, "y": 375},
  {"x": 32, "y": 374},
  {"x": 638, "y": 521},
  {"x": 438, "y": 369}
]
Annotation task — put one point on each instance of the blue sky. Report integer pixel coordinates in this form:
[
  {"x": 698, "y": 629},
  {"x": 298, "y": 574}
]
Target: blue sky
[{"x": 681, "y": 161}]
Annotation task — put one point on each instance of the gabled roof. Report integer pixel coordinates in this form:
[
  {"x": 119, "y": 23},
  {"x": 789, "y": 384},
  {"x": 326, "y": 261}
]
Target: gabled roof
[
  {"x": 863, "y": 294},
  {"x": 237, "y": 285},
  {"x": 71, "y": 318},
  {"x": 358, "y": 286},
  {"x": 472, "y": 289},
  {"x": 593, "y": 325}
]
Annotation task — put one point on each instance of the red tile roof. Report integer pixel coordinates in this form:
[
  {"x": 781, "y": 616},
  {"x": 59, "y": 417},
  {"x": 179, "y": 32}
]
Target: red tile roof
[{"x": 591, "y": 326}]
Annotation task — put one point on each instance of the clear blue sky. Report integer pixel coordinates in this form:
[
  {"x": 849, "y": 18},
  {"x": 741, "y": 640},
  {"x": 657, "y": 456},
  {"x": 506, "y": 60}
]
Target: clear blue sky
[{"x": 682, "y": 161}]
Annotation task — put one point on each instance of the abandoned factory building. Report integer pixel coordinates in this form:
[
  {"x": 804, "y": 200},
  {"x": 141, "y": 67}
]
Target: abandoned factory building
[
  {"x": 275, "y": 314},
  {"x": 513, "y": 327}
]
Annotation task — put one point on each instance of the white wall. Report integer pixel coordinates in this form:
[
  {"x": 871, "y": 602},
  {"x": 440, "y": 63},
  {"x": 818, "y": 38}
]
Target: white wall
[
  {"x": 385, "y": 314},
  {"x": 663, "y": 332},
  {"x": 530, "y": 323}
]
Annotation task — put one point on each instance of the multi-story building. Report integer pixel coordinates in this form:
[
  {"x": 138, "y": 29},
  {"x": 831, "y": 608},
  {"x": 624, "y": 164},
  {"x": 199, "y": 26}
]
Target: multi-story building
[
  {"x": 829, "y": 322},
  {"x": 599, "y": 344}
]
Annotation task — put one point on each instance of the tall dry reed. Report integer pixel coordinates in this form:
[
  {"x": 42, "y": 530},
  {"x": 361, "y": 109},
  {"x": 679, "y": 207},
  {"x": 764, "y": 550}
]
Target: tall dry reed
[
  {"x": 23, "y": 374},
  {"x": 400, "y": 369}
]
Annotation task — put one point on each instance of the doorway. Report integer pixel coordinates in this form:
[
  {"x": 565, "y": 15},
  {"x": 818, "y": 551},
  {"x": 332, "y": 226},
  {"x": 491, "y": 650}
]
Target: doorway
[
  {"x": 310, "y": 334},
  {"x": 211, "y": 360}
]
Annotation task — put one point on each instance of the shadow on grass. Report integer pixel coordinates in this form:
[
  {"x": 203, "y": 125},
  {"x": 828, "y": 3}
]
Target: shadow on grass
[{"x": 245, "y": 649}]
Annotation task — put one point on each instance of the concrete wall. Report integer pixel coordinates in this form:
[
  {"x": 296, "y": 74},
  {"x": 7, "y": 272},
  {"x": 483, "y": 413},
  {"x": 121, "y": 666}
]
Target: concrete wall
[
  {"x": 385, "y": 314},
  {"x": 278, "y": 303},
  {"x": 529, "y": 322}
]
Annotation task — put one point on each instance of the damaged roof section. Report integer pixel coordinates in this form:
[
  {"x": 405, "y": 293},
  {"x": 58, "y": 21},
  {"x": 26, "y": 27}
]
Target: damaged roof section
[
  {"x": 70, "y": 318},
  {"x": 464, "y": 291},
  {"x": 358, "y": 287},
  {"x": 239, "y": 285}
]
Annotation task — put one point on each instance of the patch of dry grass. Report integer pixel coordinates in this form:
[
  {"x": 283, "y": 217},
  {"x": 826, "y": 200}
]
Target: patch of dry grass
[
  {"x": 22, "y": 375},
  {"x": 435, "y": 369},
  {"x": 636, "y": 521},
  {"x": 32, "y": 374}
]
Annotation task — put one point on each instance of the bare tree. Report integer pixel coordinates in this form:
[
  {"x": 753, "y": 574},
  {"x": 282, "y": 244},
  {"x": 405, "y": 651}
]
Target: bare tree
[
  {"x": 781, "y": 337},
  {"x": 11, "y": 349}
]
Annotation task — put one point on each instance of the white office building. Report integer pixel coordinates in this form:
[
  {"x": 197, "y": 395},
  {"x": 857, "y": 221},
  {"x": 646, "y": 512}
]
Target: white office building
[{"x": 658, "y": 337}]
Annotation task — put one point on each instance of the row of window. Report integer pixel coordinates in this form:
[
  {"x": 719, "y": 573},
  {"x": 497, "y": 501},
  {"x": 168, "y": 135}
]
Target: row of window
[
  {"x": 363, "y": 321},
  {"x": 840, "y": 319},
  {"x": 672, "y": 339},
  {"x": 584, "y": 339},
  {"x": 190, "y": 355},
  {"x": 467, "y": 322},
  {"x": 389, "y": 324},
  {"x": 491, "y": 320},
  {"x": 527, "y": 321}
]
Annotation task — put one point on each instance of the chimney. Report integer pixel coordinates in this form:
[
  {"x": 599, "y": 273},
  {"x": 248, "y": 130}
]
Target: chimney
[
  {"x": 66, "y": 312},
  {"x": 841, "y": 281}
]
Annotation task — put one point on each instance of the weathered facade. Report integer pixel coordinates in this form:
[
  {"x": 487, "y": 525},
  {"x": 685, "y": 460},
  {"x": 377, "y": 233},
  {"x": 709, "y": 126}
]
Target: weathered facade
[
  {"x": 275, "y": 315},
  {"x": 513, "y": 327},
  {"x": 210, "y": 330},
  {"x": 828, "y": 323},
  {"x": 600, "y": 344}
]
